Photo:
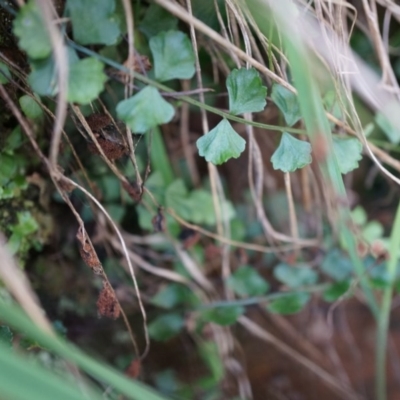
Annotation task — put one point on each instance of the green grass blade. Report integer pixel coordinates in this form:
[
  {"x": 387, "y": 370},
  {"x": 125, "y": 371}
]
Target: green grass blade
[
  {"x": 13, "y": 316},
  {"x": 24, "y": 379},
  {"x": 302, "y": 64},
  {"x": 384, "y": 315}
]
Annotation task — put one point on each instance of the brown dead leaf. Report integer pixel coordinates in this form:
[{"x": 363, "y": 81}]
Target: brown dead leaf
[
  {"x": 87, "y": 251},
  {"x": 107, "y": 303}
]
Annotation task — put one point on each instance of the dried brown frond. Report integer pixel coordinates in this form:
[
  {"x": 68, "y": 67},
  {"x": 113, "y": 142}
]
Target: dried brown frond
[
  {"x": 98, "y": 121},
  {"x": 87, "y": 251},
  {"x": 107, "y": 303},
  {"x": 106, "y": 135},
  {"x": 112, "y": 150},
  {"x": 133, "y": 370}
]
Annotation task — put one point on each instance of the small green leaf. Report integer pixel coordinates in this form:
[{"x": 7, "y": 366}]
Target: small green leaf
[
  {"x": 287, "y": 102},
  {"x": 8, "y": 167},
  {"x": 156, "y": 184},
  {"x": 392, "y": 132},
  {"x": 86, "y": 80},
  {"x": 359, "y": 216},
  {"x": 14, "y": 243},
  {"x": 291, "y": 303},
  {"x": 295, "y": 276},
  {"x": 196, "y": 206},
  {"x": 14, "y": 140},
  {"x": 246, "y": 92},
  {"x": 173, "y": 56},
  {"x": 238, "y": 229},
  {"x": 43, "y": 78},
  {"x": 5, "y": 74},
  {"x": 177, "y": 198},
  {"x": 291, "y": 154},
  {"x": 168, "y": 297},
  {"x": 202, "y": 205},
  {"x": 166, "y": 326},
  {"x": 372, "y": 231},
  {"x": 205, "y": 12},
  {"x": 145, "y": 110},
  {"x": 246, "y": 281},
  {"x": 348, "y": 152},
  {"x": 94, "y": 22},
  {"x": 31, "y": 31},
  {"x": 157, "y": 19},
  {"x": 223, "y": 315},
  {"x": 173, "y": 295},
  {"x": 110, "y": 186},
  {"x": 145, "y": 218},
  {"x": 26, "y": 224},
  {"x": 337, "y": 265},
  {"x": 380, "y": 278},
  {"x": 6, "y": 336},
  {"x": 30, "y": 107},
  {"x": 336, "y": 290},
  {"x": 116, "y": 211},
  {"x": 208, "y": 351},
  {"x": 221, "y": 144}
]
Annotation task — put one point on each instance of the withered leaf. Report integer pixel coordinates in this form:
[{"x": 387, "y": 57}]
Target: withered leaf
[
  {"x": 107, "y": 303},
  {"x": 87, "y": 251}
]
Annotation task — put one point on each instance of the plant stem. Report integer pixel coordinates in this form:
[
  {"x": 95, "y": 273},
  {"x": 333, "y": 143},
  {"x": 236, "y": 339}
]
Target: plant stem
[
  {"x": 188, "y": 99},
  {"x": 251, "y": 301},
  {"x": 384, "y": 314}
]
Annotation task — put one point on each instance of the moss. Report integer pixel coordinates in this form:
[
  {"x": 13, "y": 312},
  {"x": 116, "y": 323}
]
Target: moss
[{"x": 24, "y": 224}]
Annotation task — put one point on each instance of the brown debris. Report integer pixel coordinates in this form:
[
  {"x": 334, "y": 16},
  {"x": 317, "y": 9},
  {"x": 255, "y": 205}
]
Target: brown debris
[
  {"x": 98, "y": 121},
  {"x": 112, "y": 150},
  {"x": 139, "y": 64},
  {"x": 378, "y": 250},
  {"x": 189, "y": 237},
  {"x": 65, "y": 185},
  {"x": 133, "y": 189},
  {"x": 105, "y": 131},
  {"x": 362, "y": 248},
  {"x": 158, "y": 221},
  {"x": 107, "y": 303},
  {"x": 133, "y": 370},
  {"x": 87, "y": 251}
]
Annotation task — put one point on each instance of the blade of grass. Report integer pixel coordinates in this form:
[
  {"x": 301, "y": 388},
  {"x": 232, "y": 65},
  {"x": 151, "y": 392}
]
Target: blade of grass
[
  {"x": 38, "y": 382},
  {"x": 384, "y": 314},
  {"x": 315, "y": 119},
  {"x": 13, "y": 316}
]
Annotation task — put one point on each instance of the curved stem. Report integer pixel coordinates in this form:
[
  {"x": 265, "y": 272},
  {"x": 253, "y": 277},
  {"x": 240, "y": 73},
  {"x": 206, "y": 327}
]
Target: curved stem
[{"x": 188, "y": 99}]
